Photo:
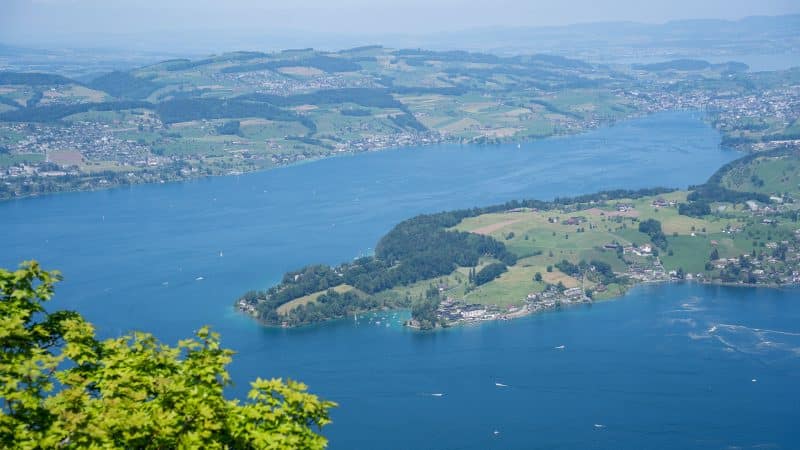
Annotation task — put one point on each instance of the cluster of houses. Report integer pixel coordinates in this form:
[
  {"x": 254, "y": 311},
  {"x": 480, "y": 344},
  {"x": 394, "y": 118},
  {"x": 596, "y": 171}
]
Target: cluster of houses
[
  {"x": 451, "y": 312},
  {"x": 660, "y": 202},
  {"x": 273, "y": 82},
  {"x": 642, "y": 250},
  {"x": 732, "y": 112},
  {"x": 90, "y": 140}
]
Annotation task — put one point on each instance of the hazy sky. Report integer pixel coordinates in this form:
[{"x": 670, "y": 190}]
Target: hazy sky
[{"x": 37, "y": 21}]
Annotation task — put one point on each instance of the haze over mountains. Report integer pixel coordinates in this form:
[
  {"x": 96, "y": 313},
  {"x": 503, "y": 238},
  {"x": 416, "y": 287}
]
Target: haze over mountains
[{"x": 599, "y": 41}]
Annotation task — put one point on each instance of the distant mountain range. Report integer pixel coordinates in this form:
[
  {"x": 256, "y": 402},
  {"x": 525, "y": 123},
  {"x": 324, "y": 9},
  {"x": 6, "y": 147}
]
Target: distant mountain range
[{"x": 603, "y": 40}]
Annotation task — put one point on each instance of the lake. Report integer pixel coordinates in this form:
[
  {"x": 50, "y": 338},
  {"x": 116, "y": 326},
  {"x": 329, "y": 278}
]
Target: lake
[{"x": 170, "y": 258}]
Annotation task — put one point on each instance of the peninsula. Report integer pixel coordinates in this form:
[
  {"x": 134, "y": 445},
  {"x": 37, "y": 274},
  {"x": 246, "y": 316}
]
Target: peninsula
[{"x": 509, "y": 260}]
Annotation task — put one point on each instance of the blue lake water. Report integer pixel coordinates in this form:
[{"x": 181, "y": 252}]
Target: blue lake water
[{"x": 170, "y": 258}]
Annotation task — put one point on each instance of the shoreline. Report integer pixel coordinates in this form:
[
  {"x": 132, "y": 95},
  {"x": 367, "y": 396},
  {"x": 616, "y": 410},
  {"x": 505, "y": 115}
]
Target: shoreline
[
  {"x": 348, "y": 153},
  {"x": 524, "y": 310}
]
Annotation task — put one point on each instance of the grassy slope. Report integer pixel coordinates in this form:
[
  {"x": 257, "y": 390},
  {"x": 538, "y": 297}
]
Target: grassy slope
[
  {"x": 779, "y": 175},
  {"x": 286, "y": 307},
  {"x": 541, "y": 243}
]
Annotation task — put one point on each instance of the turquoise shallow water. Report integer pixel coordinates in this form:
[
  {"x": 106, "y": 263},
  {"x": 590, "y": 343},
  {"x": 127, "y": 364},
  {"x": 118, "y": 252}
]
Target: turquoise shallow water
[{"x": 132, "y": 259}]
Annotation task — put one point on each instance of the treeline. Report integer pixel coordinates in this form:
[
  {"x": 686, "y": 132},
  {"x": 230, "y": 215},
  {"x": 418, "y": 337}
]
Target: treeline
[
  {"x": 368, "y": 97},
  {"x": 34, "y": 99},
  {"x": 124, "y": 85},
  {"x": 359, "y": 49},
  {"x": 184, "y": 110},
  {"x": 489, "y": 273},
  {"x": 388, "y": 81},
  {"x": 423, "y": 309},
  {"x": 34, "y": 79},
  {"x": 554, "y": 109},
  {"x": 310, "y": 141},
  {"x": 652, "y": 228},
  {"x": 329, "y": 306},
  {"x": 449, "y": 56},
  {"x": 185, "y": 64},
  {"x": 52, "y": 113},
  {"x": 533, "y": 75},
  {"x": 603, "y": 272},
  {"x": 428, "y": 235},
  {"x": 9, "y": 102},
  {"x": 408, "y": 121},
  {"x": 701, "y": 197},
  {"x": 231, "y": 127},
  {"x": 324, "y": 63},
  {"x": 416, "y": 249}
]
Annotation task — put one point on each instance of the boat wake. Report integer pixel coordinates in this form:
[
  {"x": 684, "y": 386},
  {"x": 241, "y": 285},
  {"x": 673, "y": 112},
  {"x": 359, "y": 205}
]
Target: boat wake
[{"x": 756, "y": 341}]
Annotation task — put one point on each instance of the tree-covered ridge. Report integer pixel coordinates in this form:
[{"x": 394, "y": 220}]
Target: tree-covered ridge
[
  {"x": 416, "y": 249},
  {"x": 63, "y": 388},
  {"x": 53, "y": 113},
  {"x": 714, "y": 190},
  {"x": 33, "y": 78},
  {"x": 124, "y": 85}
]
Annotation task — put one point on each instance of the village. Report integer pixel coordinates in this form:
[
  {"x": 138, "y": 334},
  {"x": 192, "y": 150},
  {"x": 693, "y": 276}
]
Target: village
[
  {"x": 773, "y": 261},
  {"x": 452, "y": 312},
  {"x": 49, "y": 156}
]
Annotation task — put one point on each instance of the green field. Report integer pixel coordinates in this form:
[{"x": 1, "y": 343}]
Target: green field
[
  {"x": 10, "y": 160},
  {"x": 306, "y": 299},
  {"x": 767, "y": 175},
  {"x": 542, "y": 238}
]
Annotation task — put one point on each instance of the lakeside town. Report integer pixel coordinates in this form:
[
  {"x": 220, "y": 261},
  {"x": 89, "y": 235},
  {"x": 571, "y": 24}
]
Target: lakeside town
[{"x": 135, "y": 144}]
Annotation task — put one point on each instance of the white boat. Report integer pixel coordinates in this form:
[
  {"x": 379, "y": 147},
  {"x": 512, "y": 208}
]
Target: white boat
[
  {"x": 438, "y": 395},
  {"x": 198, "y": 279},
  {"x": 501, "y": 385},
  {"x": 560, "y": 347}
]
